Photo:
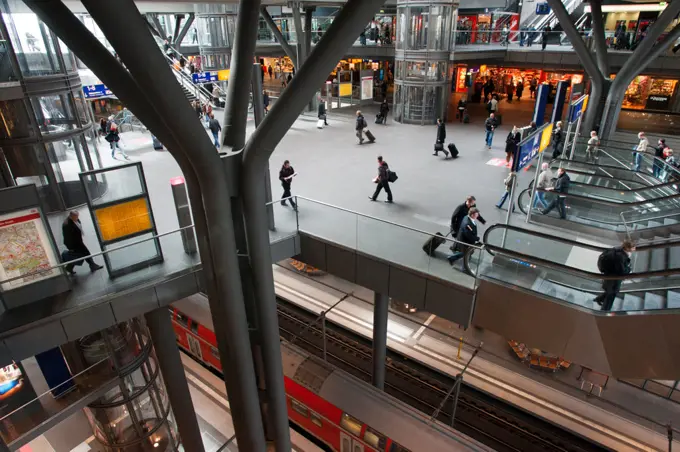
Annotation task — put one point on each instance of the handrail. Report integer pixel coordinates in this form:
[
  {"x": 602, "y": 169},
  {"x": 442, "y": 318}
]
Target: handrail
[
  {"x": 101, "y": 253},
  {"x": 609, "y": 203},
  {"x": 623, "y": 291},
  {"x": 478, "y": 247},
  {"x": 648, "y": 187}
]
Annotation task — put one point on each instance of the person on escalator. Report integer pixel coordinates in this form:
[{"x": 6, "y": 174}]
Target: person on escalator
[
  {"x": 659, "y": 156},
  {"x": 592, "y": 150},
  {"x": 561, "y": 187},
  {"x": 613, "y": 262},
  {"x": 639, "y": 150}
]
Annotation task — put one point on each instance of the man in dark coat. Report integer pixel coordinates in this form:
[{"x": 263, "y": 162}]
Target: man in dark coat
[
  {"x": 441, "y": 137},
  {"x": 467, "y": 235},
  {"x": 460, "y": 213},
  {"x": 72, "y": 231},
  {"x": 383, "y": 181},
  {"x": 615, "y": 262},
  {"x": 322, "y": 111},
  {"x": 561, "y": 187}
]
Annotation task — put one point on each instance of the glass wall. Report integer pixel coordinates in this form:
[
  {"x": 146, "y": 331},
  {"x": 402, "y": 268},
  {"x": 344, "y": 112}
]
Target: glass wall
[{"x": 424, "y": 27}]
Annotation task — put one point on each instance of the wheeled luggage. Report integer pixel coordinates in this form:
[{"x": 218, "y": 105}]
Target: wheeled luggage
[
  {"x": 433, "y": 243},
  {"x": 369, "y": 135},
  {"x": 453, "y": 150},
  {"x": 379, "y": 119},
  {"x": 466, "y": 118},
  {"x": 157, "y": 145},
  {"x": 319, "y": 124}
]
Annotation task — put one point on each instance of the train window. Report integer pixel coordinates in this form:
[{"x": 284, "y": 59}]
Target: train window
[
  {"x": 375, "y": 439},
  {"x": 351, "y": 424},
  {"x": 397, "y": 448},
  {"x": 181, "y": 318},
  {"x": 194, "y": 327},
  {"x": 300, "y": 408},
  {"x": 316, "y": 419}
]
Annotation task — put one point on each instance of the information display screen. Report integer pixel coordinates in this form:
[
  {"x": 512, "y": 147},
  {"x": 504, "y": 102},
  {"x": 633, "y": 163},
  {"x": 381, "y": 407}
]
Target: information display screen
[
  {"x": 25, "y": 248},
  {"x": 124, "y": 219}
]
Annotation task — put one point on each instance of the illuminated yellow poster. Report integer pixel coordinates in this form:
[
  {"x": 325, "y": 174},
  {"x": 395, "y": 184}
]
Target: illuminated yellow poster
[
  {"x": 223, "y": 75},
  {"x": 345, "y": 89},
  {"x": 545, "y": 138},
  {"x": 123, "y": 219}
]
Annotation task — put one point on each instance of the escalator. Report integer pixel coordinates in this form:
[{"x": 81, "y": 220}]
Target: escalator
[{"x": 539, "y": 289}]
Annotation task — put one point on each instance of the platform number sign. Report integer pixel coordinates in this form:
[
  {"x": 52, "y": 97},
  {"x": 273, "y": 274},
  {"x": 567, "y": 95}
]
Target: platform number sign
[{"x": 194, "y": 346}]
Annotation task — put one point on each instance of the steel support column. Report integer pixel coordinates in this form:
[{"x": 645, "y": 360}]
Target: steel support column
[
  {"x": 381, "y": 304},
  {"x": 308, "y": 30},
  {"x": 178, "y": 27},
  {"x": 596, "y": 77},
  {"x": 170, "y": 364},
  {"x": 258, "y": 110},
  {"x": 299, "y": 34},
  {"x": 185, "y": 29},
  {"x": 242, "y": 54},
  {"x": 290, "y": 52},
  {"x": 124, "y": 28},
  {"x": 342, "y": 32},
  {"x": 598, "y": 37},
  {"x": 157, "y": 24}
]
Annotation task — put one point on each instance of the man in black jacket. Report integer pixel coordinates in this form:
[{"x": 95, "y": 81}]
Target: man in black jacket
[
  {"x": 72, "y": 231},
  {"x": 562, "y": 187},
  {"x": 441, "y": 137},
  {"x": 322, "y": 111},
  {"x": 359, "y": 126},
  {"x": 286, "y": 175},
  {"x": 557, "y": 140},
  {"x": 613, "y": 262},
  {"x": 467, "y": 235},
  {"x": 383, "y": 181},
  {"x": 460, "y": 213}
]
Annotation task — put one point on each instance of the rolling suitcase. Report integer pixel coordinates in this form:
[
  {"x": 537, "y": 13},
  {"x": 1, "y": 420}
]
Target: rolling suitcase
[
  {"x": 466, "y": 118},
  {"x": 157, "y": 145},
  {"x": 453, "y": 150},
  {"x": 378, "y": 119},
  {"x": 319, "y": 124},
  {"x": 369, "y": 135},
  {"x": 433, "y": 243}
]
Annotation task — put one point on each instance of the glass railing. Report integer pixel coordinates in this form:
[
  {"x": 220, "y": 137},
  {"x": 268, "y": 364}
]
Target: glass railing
[
  {"x": 44, "y": 407},
  {"x": 399, "y": 244},
  {"x": 93, "y": 285},
  {"x": 566, "y": 270}
]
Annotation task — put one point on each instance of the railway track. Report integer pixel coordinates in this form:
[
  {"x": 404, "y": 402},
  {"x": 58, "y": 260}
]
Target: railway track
[{"x": 495, "y": 423}]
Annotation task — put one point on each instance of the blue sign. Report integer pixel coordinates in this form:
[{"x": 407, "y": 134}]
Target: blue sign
[
  {"x": 96, "y": 91},
  {"x": 542, "y": 8},
  {"x": 527, "y": 151},
  {"x": 541, "y": 101},
  {"x": 204, "y": 77},
  {"x": 576, "y": 108},
  {"x": 558, "y": 103}
]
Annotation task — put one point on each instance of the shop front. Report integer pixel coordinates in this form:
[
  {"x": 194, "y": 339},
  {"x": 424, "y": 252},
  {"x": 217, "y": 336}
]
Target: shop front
[
  {"x": 651, "y": 94},
  {"x": 486, "y": 28}
]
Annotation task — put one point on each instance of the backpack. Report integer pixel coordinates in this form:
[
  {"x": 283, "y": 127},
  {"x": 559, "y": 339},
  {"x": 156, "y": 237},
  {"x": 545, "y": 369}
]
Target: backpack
[{"x": 606, "y": 262}]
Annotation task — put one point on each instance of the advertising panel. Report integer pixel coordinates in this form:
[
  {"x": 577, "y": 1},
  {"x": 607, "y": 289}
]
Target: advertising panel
[
  {"x": 96, "y": 91},
  {"x": 366, "y": 88},
  {"x": 25, "y": 248},
  {"x": 345, "y": 89},
  {"x": 532, "y": 146},
  {"x": 223, "y": 75},
  {"x": 122, "y": 220},
  {"x": 15, "y": 390}
]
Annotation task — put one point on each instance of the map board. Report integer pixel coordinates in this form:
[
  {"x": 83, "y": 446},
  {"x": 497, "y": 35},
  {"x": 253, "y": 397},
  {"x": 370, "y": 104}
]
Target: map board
[
  {"x": 25, "y": 248},
  {"x": 122, "y": 220}
]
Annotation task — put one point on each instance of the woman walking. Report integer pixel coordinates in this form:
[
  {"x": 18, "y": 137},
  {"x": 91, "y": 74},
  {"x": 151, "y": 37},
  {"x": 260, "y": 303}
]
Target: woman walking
[{"x": 511, "y": 143}]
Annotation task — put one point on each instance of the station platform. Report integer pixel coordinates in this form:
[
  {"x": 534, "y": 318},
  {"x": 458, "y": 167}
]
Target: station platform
[{"x": 621, "y": 417}]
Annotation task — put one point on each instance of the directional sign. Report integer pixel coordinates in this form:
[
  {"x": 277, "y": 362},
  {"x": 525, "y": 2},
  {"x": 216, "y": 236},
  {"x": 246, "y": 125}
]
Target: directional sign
[
  {"x": 96, "y": 91},
  {"x": 204, "y": 77}
]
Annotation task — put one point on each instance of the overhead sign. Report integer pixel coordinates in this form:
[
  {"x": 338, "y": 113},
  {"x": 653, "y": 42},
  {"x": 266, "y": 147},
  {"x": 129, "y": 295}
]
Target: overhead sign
[
  {"x": 542, "y": 8},
  {"x": 204, "y": 77},
  {"x": 24, "y": 249},
  {"x": 96, "y": 91}
]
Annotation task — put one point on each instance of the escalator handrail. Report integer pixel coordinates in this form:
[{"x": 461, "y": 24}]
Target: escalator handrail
[
  {"x": 585, "y": 172},
  {"x": 609, "y": 203},
  {"x": 660, "y": 217},
  {"x": 648, "y": 187},
  {"x": 188, "y": 79},
  {"x": 622, "y": 291},
  {"x": 566, "y": 241},
  {"x": 598, "y": 165}
]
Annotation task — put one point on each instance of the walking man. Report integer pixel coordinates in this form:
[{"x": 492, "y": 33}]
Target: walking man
[
  {"x": 286, "y": 176},
  {"x": 215, "y": 127},
  {"x": 72, "y": 230},
  {"x": 441, "y": 137},
  {"x": 467, "y": 235},
  {"x": 460, "y": 212},
  {"x": 613, "y": 262},
  {"x": 591, "y": 149},
  {"x": 561, "y": 188},
  {"x": 383, "y": 181},
  {"x": 490, "y": 126},
  {"x": 360, "y": 126}
]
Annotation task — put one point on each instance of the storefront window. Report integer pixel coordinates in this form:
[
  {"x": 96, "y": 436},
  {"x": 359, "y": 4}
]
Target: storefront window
[{"x": 649, "y": 93}]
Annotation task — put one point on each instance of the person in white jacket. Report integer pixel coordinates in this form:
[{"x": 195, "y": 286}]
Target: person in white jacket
[
  {"x": 544, "y": 182},
  {"x": 639, "y": 150}
]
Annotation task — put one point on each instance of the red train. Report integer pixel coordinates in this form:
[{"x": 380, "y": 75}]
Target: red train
[{"x": 344, "y": 413}]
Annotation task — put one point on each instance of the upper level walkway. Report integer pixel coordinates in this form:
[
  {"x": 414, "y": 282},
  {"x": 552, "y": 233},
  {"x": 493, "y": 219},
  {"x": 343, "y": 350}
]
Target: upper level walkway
[{"x": 376, "y": 245}]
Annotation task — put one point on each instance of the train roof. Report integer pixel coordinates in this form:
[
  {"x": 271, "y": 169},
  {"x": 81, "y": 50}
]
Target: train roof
[{"x": 197, "y": 308}]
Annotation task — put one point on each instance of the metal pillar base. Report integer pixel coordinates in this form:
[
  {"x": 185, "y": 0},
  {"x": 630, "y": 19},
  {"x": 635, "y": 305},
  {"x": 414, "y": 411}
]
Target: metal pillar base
[{"x": 380, "y": 312}]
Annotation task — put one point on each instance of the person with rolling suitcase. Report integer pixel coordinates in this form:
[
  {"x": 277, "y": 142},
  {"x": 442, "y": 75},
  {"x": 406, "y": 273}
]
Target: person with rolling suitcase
[
  {"x": 359, "y": 126},
  {"x": 433, "y": 243},
  {"x": 441, "y": 137},
  {"x": 467, "y": 235}
]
